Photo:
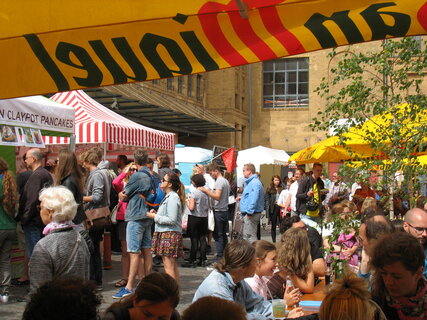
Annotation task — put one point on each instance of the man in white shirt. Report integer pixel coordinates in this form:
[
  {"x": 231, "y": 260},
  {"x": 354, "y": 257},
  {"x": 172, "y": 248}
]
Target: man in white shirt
[{"x": 292, "y": 200}]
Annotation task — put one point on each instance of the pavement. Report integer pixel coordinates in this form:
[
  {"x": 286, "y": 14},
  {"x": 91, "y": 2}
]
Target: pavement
[{"x": 190, "y": 281}]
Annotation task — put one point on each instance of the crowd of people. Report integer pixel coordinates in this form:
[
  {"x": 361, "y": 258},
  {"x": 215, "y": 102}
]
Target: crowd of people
[{"x": 63, "y": 215}]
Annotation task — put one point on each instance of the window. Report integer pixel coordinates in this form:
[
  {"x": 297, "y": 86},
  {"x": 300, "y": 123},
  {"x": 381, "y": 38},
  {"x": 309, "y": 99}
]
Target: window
[
  {"x": 190, "y": 85},
  {"x": 285, "y": 83},
  {"x": 169, "y": 83},
  {"x": 155, "y": 81},
  {"x": 180, "y": 82},
  {"x": 198, "y": 87}
]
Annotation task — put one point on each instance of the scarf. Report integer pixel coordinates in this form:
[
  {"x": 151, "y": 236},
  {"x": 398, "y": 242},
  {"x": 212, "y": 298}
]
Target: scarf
[
  {"x": 411, "y": 308},
  {"x": 57, "y": 226}
]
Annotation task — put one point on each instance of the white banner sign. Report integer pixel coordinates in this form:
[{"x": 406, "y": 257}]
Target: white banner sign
[{"x": 37, "y": 112}]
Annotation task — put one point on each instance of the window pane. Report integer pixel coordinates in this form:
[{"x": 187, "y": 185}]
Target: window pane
[
  {"x": 303, "y": 88},
  {"x": 280, "y": 65},
  {"x": 292, "y": 76},
  {"x": 292, "y": 88},
  {"x": 303, "y": 63},
  {"x": 291, "y": 64},
  {"x": 279, "y": 77},
  {"x": 303, "y": 76},
  {"x": 268, "y": 77},
  {"x": 280, "y": 89}
]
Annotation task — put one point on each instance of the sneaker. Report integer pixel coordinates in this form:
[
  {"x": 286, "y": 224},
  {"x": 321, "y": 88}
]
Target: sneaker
[
  {"x": 123, "y": 292},
  {"x": 4, "y": 298}
]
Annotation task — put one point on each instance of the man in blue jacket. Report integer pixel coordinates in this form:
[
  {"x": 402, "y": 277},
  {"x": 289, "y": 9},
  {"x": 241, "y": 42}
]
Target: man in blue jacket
[{"x": 251, "y": 202}]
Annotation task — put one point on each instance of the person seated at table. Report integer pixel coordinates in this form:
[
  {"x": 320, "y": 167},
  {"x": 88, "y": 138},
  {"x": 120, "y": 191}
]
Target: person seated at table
[
  {"x": 226, "y": 281},
  {"x": 315, "y": 239},
  {"x": 294, "y": 262},
  {"x": 348, "y": 298},
  {"x": 398, "y": 284},
  {"x": 265, "y": 265},
  {"x": 155, "y": 297},
  {"x": 346, "y": 246},
  {"x": 214, "y": 308},
  {"x": 371, "y": 229}
]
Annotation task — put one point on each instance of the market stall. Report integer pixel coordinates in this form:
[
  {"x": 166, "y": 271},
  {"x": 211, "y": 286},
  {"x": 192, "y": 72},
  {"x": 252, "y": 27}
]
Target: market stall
[
  {"x": 96, "y": 124},
  {"x": 264, "y": 159},
  {"x": 24, "y": 121}
]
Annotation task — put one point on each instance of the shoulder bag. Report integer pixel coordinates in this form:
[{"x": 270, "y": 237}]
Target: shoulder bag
[{"x": 97, "y": 218}]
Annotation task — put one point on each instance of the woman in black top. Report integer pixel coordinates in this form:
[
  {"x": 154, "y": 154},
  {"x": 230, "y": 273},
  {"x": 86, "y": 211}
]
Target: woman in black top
[
  {"x": 271, "y": 207},
  {"x": 69, "y": 175}
]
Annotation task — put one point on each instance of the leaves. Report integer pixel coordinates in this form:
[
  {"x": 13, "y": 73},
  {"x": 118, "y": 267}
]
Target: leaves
[{"x": 361, "y": 85}]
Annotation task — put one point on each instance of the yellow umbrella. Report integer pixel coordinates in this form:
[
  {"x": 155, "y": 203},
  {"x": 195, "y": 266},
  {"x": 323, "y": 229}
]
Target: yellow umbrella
[
  {"x": 48, "y": 46},
  {"x": 330, "y": 150}
]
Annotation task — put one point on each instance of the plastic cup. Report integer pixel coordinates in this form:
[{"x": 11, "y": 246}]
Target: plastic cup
[{"x": 279, "y": 308}]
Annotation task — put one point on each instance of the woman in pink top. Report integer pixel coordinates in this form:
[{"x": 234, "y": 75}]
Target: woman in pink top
[
  {"x": 266, "y": 264},
  {"x": 118, "y": 184}
]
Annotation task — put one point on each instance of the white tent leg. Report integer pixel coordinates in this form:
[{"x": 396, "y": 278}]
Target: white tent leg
[{"x": 73, "y": 143}]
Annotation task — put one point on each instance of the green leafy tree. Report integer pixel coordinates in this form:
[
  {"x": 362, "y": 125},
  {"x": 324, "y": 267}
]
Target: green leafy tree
[{"x": 361, "y": 85}]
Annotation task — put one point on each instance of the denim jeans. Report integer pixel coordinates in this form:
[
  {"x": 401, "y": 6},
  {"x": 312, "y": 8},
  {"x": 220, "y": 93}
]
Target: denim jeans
[
  {"x": 220, "y": 231},
  {"x": 32, "y": 235}
]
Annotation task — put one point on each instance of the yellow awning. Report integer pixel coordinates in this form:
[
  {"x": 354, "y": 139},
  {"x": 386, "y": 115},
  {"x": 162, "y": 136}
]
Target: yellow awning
[{"x": 49, "y": 46}]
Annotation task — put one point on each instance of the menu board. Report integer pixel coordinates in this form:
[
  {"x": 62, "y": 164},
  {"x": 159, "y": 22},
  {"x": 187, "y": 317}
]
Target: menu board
[{"x": 17, "y": 136}]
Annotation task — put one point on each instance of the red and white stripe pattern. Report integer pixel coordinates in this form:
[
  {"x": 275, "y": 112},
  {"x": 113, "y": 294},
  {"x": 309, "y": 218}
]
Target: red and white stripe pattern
[{"x": 95, "y": 123}]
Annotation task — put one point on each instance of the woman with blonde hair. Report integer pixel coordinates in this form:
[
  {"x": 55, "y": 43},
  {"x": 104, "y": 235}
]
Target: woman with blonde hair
[
  {"x": 9, "y": 199},
  {"x": 349, "y": 299},
  {"x": 266, "y": 263},
  {"x": 294, "y": 262}
]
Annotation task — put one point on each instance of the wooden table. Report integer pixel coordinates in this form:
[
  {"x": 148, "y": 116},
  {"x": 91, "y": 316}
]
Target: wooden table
[{"x": 318, "y": 295}]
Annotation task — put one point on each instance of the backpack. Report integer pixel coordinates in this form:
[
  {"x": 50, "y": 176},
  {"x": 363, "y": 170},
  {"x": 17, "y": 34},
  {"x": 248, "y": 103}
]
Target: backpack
[{"x": 156, "y": 194}]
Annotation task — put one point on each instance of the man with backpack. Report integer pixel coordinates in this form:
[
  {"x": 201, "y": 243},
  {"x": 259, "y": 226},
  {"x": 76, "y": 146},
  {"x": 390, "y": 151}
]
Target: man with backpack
[{"x": 138, "y": 191}]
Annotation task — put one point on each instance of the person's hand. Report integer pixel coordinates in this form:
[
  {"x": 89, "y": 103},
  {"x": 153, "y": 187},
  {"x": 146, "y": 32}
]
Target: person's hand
[
  {"x": 122, "y": 196},
  {"x": 151, "y": 214},
  {"x": 295, "y": 313},
  {"x": 238, "y": 198},
  {"x": 292, "y": 296},
  {"x": 203, "y": 189},
  {"x": 347, "y": 253},
  {"x": 310, "y": 194}
]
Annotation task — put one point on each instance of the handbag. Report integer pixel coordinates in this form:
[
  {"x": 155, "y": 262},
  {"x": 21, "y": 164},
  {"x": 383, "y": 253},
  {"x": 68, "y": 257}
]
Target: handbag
[
  {"x": 312, "y": 205},
  {"x": 211, "y": 220},
  {"x": 231, "y": 199},
  {"x": 113, "y": 215},
  {"x": 97, "y": 218}
]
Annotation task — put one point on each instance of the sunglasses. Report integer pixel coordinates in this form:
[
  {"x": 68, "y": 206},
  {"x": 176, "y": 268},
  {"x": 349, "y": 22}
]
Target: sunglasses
[
  {"x": 164, "y": 180},
  {"x": 132, "y": 169}
]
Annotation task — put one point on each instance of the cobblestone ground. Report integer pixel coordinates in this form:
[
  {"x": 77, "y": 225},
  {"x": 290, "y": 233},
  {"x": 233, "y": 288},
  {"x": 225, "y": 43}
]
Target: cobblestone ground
[{"x": 190, "y": 280}]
